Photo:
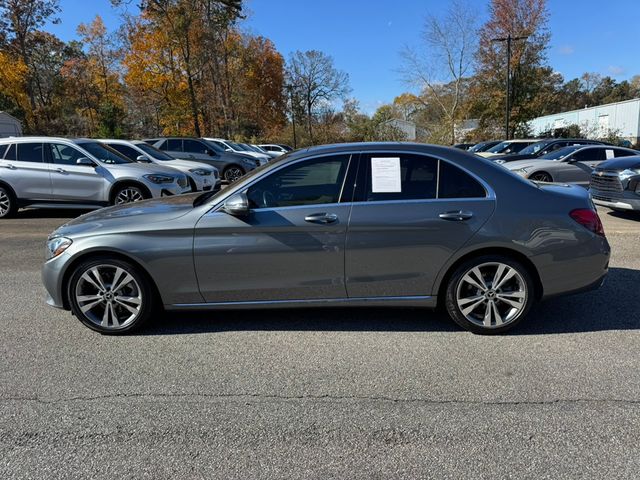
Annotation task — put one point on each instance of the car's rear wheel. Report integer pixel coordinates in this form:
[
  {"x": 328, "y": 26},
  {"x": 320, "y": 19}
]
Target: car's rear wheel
[
  {"x": 8, "y": 203},
  {"x": 110, "y": 296},
  {"x": 232, "y": 173},
  {"x": 489, "y": 294},
  {"x": 541, "y": 177},
  {"x": 128, "y": 194}
]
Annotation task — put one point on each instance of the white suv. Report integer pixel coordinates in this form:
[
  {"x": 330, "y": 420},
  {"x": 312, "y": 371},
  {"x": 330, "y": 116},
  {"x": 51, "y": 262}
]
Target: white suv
[{"x": 81, "y": 173}]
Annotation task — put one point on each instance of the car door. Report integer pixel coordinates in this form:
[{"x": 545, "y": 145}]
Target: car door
[
  {"x": 578, "y": 167},
  {"x": 71, "y": 182},
  {"x": 411, "y": 213},
  {"x": 203, "y": 152},
  {"x": 290, "y": 246},
  {"x": 25, "y": 167}
]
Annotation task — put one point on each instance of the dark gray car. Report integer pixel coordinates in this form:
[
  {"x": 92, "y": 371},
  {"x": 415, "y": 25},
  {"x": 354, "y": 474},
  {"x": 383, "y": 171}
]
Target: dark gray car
[
  {"x": 356, "y": 224},
  {"x": 230, "y": 164}
]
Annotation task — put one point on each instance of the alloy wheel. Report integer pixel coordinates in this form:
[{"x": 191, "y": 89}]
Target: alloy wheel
[
  {"x": 492, "y": 295},
  {"x": 5, "y": 202},
  {"x": 109, "y": 296},
  {"x": 232, "y": 174},
  {"x": 129, "y": 195},
  {"x": 541, "y": 177}
]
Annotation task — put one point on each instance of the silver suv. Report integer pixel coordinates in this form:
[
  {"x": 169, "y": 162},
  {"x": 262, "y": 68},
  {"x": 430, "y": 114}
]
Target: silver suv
[{"x": 81, "y": 173}]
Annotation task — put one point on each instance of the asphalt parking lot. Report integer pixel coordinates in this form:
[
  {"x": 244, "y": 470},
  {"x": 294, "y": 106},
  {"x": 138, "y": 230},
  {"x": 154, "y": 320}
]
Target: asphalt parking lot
[{"x": 339, "y": 393}]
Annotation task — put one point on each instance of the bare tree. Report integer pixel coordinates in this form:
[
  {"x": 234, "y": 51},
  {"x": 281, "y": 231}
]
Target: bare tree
[
  {"x": 444, "y": 62},
  {"x": 316, "y": 82}
]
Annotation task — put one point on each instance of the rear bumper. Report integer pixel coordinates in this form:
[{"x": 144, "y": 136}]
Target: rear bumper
[{"x": 579, "y": 268}]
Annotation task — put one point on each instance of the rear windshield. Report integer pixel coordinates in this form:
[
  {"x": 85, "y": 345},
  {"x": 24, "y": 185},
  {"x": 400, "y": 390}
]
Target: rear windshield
[{"x": 104, "y": 153}]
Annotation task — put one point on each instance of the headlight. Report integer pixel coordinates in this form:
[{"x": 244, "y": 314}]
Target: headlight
[
  {"x": 521, "y": 171},
  {"x": 200, "y": 171},
  {"x": 625, "y": 174},
  {"x": 57, "y": 245},
  {"x": 155, "y": 178}
]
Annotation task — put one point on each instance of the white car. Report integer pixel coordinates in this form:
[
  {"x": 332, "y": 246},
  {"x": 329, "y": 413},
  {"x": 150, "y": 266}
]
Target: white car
[
  {"x": 230, "y": 146},
  {"x": 262, "y": 150},
  {"x": 508, "y": 147},
  {"x": 202, "y": 177},
  {"x": 272, "y": 147}
]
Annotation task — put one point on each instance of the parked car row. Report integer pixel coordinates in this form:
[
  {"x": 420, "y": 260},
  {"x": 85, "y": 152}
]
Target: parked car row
[{"x": 49, "y": 172}]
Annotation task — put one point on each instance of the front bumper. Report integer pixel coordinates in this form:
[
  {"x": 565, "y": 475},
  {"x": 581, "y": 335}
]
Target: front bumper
[
  {"x": 624, "y": 201},
  {"x": 52, "y": 273},
  {"x": 165, "y": 190}
]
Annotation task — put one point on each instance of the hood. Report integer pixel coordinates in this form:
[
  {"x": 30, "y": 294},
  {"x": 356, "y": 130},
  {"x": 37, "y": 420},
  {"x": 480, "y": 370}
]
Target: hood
[
  {"x": 620, "y": 164},
  {"x": 513, "y": 157},
  {"x": 526, "y": 163},
  {"x": 191, "y": 164},
  {"x": 143, "y": 168},
  {"x": 119, "y": 218}
]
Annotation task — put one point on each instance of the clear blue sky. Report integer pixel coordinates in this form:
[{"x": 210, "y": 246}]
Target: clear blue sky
[{"x": 365, "y": 36}]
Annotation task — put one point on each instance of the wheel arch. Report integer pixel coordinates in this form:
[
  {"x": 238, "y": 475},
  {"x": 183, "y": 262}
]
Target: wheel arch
[
  {"x": 127, "y": 182},
  {"x": 10, "y": 188},
  {"x": 541, "y": 171},
  {"x": 507, "y": 252},
  {"x": 95, "y": 255}
]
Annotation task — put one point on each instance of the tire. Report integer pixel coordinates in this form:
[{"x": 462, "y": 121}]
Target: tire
[
  {"x": 128, "y": 194},
  {"x": 474, "y": 302},
  {"x": 233, "y": 173},
  {"x": 101, "y": 308},
  {"x": 8, "y": 203},
  {"x": 541, "y": 177}
]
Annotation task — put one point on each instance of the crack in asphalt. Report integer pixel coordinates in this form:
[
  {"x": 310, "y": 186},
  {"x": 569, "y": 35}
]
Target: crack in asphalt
[{"x": 327, "y": 397}]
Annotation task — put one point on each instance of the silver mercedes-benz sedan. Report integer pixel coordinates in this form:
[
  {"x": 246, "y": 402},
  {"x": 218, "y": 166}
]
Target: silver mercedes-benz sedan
[{"x": 377, "y": 224}]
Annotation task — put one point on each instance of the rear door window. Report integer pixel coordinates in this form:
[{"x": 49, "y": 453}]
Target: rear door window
[
  {"x": 30, "y": 152},
  {"x": 590, "y": 155},
  {"x": 456, "y": 183}
]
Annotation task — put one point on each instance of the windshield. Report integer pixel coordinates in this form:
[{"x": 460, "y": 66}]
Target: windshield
[
  {"x": 479, "y": 147},
  {"x": 534, "y": 148},
  {"x": 207, "y": 196},
  {"x": 234, "y": 146},
  {"x": 154, "y": 152},
  {"x": 214, "y": 146},
  {"x": 561, "y": 153},
  {"x": 508, "y": 147},
  {"x": 104, "y": 153},
  {"x": 499, "y": 148}
]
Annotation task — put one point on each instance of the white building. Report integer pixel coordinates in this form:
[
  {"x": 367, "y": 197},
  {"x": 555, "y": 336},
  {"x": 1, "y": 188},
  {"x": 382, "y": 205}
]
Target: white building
[
  {"x": 9, "y": 126},
  {"x": 407, "y": 127},
  {"x": 622, "y": 118}
]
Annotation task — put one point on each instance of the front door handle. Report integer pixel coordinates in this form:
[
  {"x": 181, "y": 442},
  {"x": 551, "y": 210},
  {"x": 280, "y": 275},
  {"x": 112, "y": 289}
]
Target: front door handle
[
  {"x": 321, "y": 218},
  {"x": 458, "y": 216},
  {"x": 10, "y": 167},
  {"x": 61, "y": 170}
]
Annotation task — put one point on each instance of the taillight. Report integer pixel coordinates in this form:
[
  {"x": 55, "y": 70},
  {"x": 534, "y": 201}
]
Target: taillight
[{"x": 589, "y": 219}]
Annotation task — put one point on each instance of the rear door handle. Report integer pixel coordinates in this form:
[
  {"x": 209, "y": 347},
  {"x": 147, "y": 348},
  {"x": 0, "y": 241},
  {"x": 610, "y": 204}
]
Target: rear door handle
[
  {"x": 458, "y": 216},
  {"x": 10, "y": 167},
  {"x": 321, "y": 218},
  {"x": 61, "y": 170}
]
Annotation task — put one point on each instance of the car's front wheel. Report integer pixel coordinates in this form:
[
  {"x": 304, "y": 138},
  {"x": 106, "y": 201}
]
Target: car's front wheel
[
  {"x": 232, "y": 173},
  {"x": 8, "y": 204},
  {"x": 128, "y": 194},
  {"x": 489, "y": 294},
  {"x": 541, "y": 177},
  {"x": 110, "y": 296}
]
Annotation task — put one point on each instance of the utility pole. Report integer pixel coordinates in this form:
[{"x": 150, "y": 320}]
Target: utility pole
[
  {"x": 290, "y": 88},
  {"x": 508, "y": 39}
]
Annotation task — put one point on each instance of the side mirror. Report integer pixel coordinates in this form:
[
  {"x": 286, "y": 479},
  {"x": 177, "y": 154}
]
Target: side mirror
[
  {"x": 143, "y": 159},
  {"x": 86, "y": 162},
  {"x": 228, "y": 150},
  {"x": 237, "y": 205}
]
